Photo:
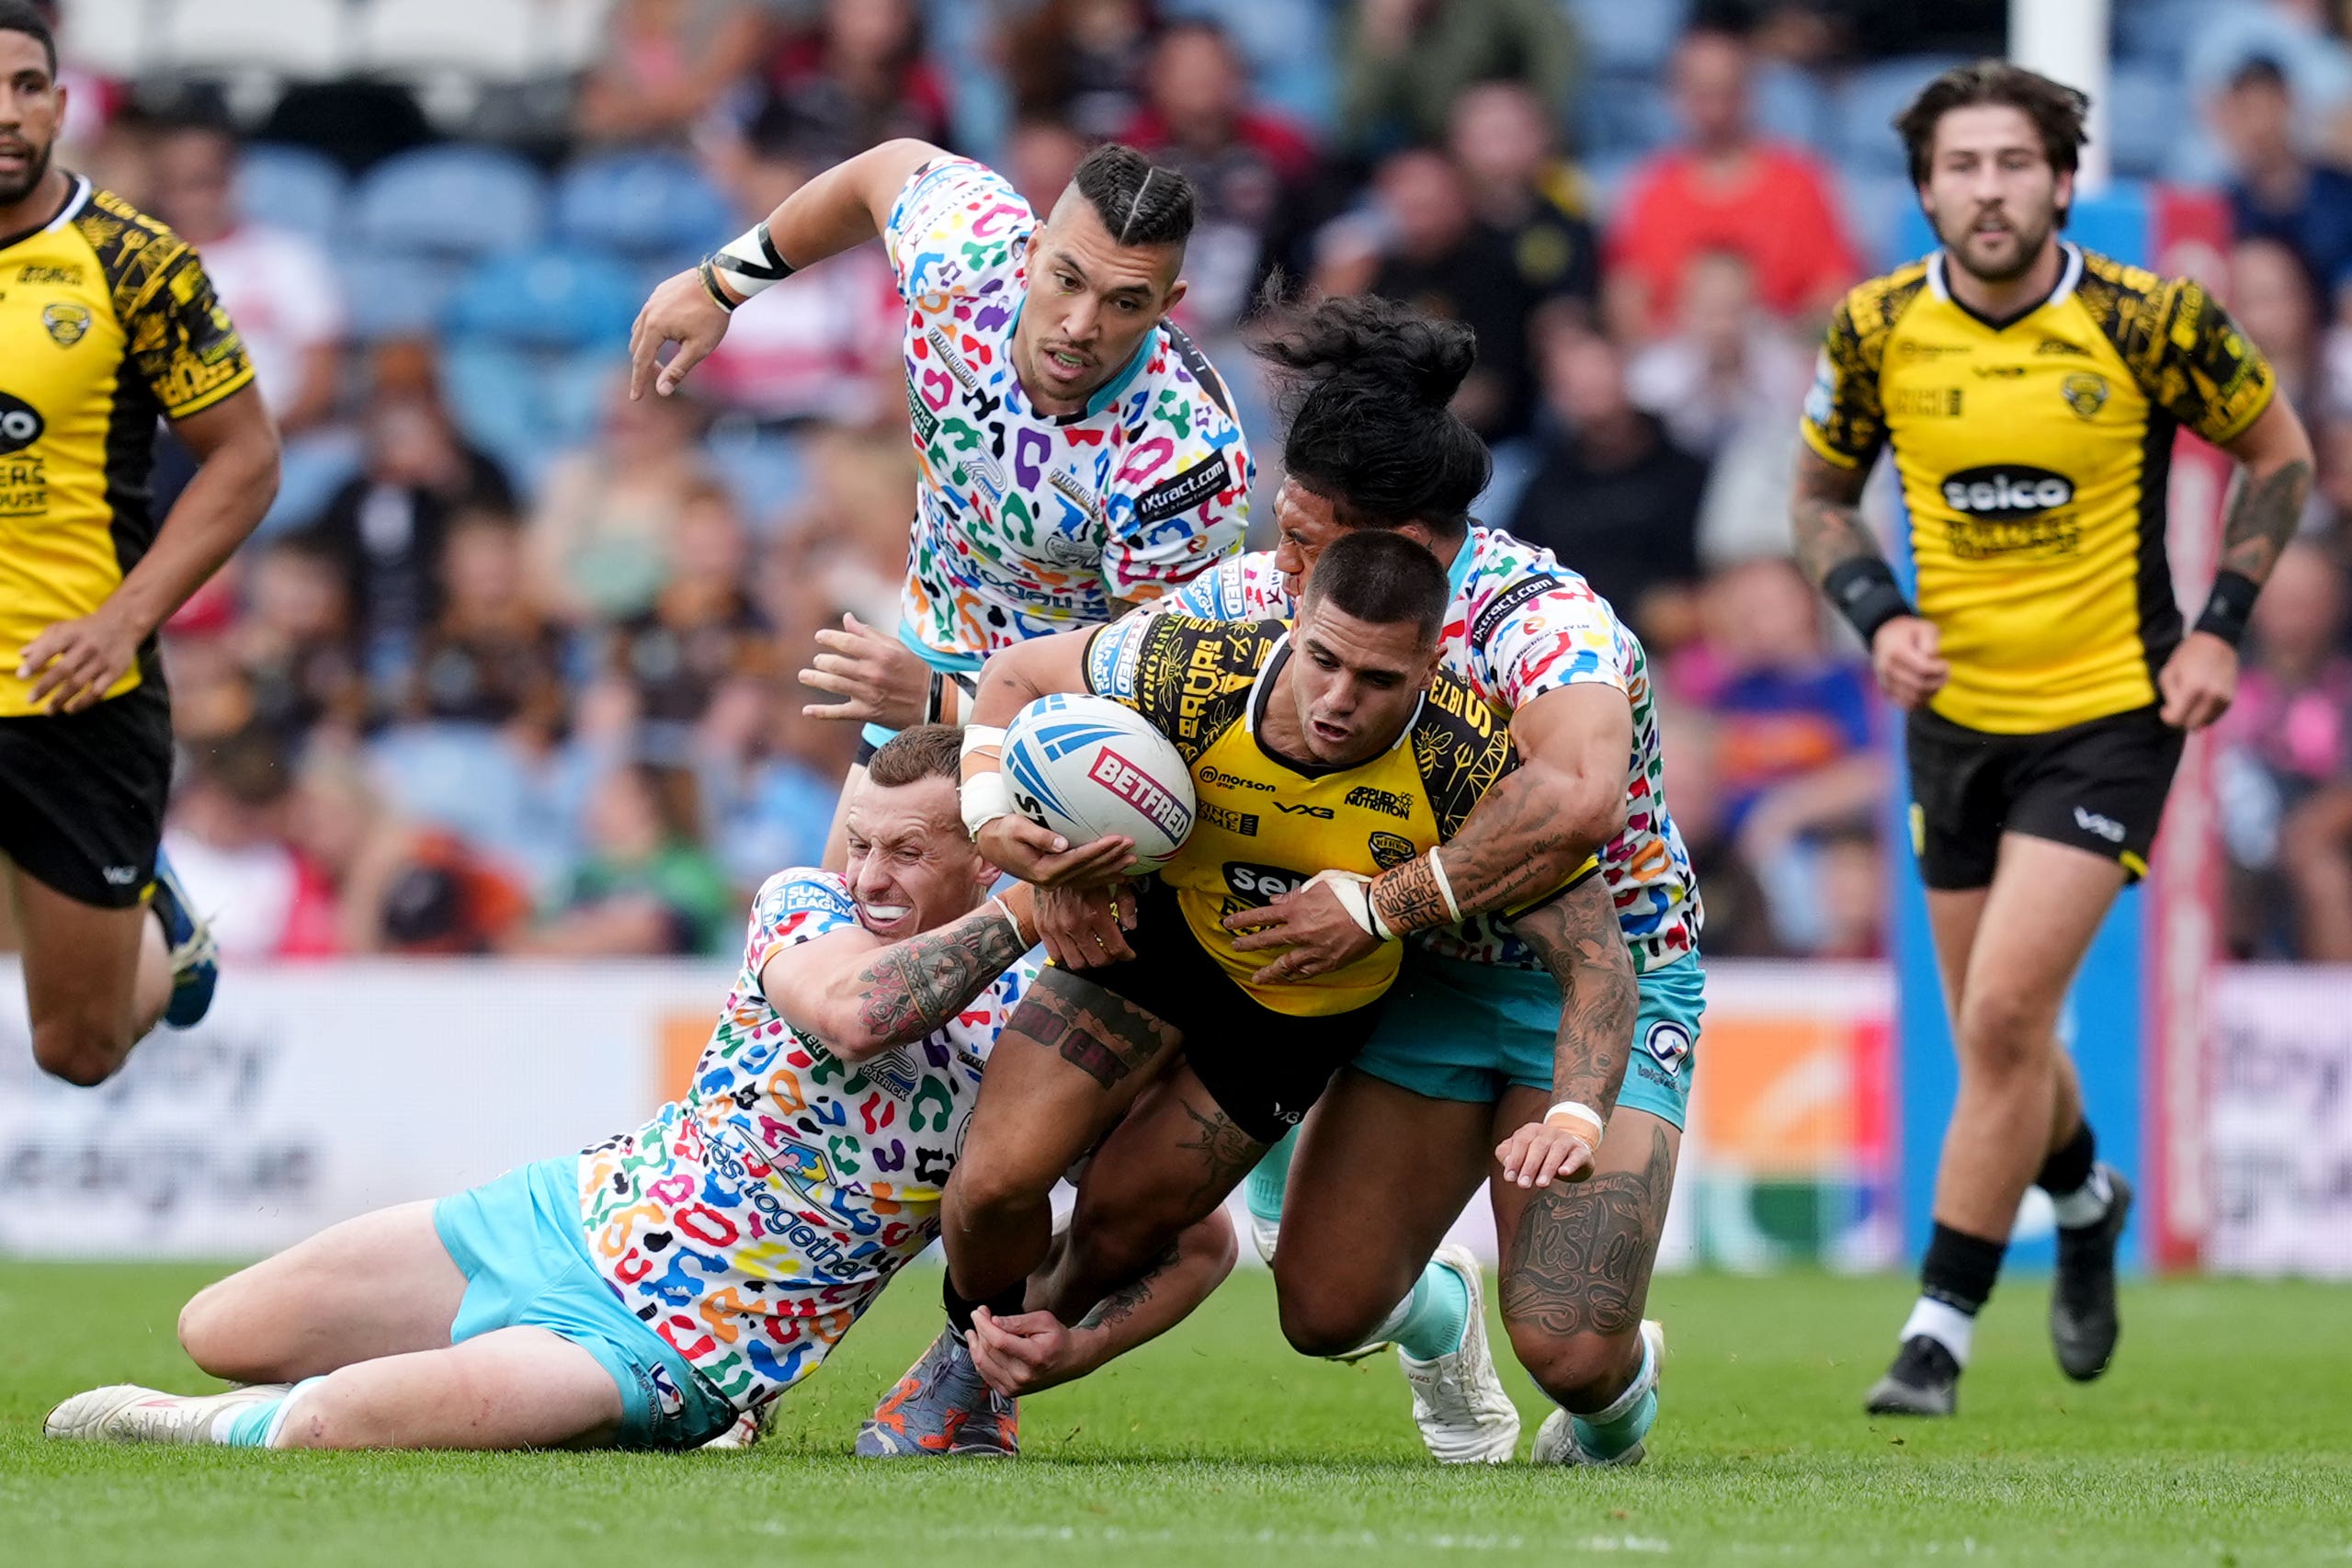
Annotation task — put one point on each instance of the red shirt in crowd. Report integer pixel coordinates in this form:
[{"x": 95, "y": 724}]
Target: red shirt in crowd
[{"x": 1779, "y": 215}]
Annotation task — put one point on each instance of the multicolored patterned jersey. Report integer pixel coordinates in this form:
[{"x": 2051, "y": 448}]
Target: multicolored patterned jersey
[
  {"x": 751, "y": 1222},
  {"x": 1029, "y": 523},
  {"x": 1520, "y": 625}
]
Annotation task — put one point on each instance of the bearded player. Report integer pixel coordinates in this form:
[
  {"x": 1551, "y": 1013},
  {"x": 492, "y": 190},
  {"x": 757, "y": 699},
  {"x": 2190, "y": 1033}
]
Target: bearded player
[
  {"x": 2030, "y": 390},
  {"x": 1078, "y": 454}
]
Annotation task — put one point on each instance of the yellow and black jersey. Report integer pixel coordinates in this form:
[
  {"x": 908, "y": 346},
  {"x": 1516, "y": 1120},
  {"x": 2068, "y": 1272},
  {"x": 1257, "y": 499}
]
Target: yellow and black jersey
[
  {"x": 106, "y": 321},
  {"x": 1267, "y": 823},
  {"x": 2034, "y": 456}
]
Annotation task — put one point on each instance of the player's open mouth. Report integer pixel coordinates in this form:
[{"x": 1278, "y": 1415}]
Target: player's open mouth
[
  {"x": 1332, "y": 734},
  {"x": 879, "y": 915},
  {"x": 1068, "y": 366}
]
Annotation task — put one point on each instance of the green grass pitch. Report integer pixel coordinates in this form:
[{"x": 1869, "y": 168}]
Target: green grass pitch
[{"x": 2223, "y": 1436}]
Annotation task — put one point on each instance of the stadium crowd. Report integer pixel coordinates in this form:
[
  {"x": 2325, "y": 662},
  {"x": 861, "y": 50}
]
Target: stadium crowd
[{"x": 510, "y": 665}]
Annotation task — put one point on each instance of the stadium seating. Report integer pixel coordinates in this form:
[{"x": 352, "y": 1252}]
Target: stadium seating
[
  {"x": 1872, "y": 99},
  {"x": 532, "y": 347},
  {"x": 652, "y": 207},
  {"x": 461, "y": 201},
  {"x": 237, "y": 37},
  {"x": 1631, "y": 38},
  {"x": 292, "y": 188}
]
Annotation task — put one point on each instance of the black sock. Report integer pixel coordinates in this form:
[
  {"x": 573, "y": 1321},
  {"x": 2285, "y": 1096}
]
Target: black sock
[
  {"x": 1959, "y": 1269},
  {"x": 1007, "y": 1302},
  {"x": 2069, "y": 1166}
]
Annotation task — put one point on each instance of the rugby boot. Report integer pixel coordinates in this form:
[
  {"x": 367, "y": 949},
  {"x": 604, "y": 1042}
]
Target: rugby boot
[
  {"x": 1457, "y": 1402},
  {"x": 195, "y": 958},
  {"x": 943, "y": 1408},
  {"x": 1923, "y": 1381},
  {"x": 1556, "y": 1441},
  {"x": 749, "y": 1429},
  {"x": 125, "y": 1412},
  {"x": 2082, "y": 1323}
]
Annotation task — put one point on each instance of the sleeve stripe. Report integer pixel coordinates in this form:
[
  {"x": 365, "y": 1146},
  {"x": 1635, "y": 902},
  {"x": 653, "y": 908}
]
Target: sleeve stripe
[
  {"x": 198, "y": 404},
  {"x": 1820, "y": 444}
]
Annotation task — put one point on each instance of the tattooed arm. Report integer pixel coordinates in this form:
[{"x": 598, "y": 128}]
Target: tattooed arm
[
  {"x": 1577, "y": 937},
  {"x": 1838, "y": 554},
  {"x": 862, "y": 998},
  {"x": 2200, "y": 679}
]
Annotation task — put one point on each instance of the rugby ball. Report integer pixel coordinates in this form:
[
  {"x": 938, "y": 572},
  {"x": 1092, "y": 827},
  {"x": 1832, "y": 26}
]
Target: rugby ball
[{"x": 1086, "y": 768}]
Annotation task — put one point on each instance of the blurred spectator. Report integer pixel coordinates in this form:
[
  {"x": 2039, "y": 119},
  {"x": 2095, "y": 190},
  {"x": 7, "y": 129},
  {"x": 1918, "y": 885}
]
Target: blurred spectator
[
  {"x": 1725, "y": 189},
  {"x": 386, "y": 525},
  {"x": 647, "y": 887},
  {"x": 817, "y": 346},
  {"x": 862, "y": 76},
  {"x": 666, "y": 63},
  {"x": 490, "y": 658},
  {"x": 278, "y": 287},
  {"x": 2287, "y": 750},
  {"x": 2276, "y": 191},
  {"x": 1849, "y": 892},
  {"x": 770, "y": 776},
  {"x": 1739, "y": 921},
  {"x": 1425, "y": 246},
  {"x": 2271, "y": 295},
  {"x": 2295, "y": 38},
  {"x": 294, "y": 642},
  {"x": 1242, "y": 162},
  {"x": 1524, "y": 190},
  {"x": 1403, "y": 62},
  {"x": 399, "y": 887},
  {"x": 1612, "y": 497},
  {"x": 1040, "y": 156},
  {"x": 1080, "y": 63},
  {"x": 1727, "y": 368},
  {"x": 92, "y": 102},
  {"x": 228, "y": 826},
  {"x": 599, "y": 540},
  {"x": 703, "y": 630}
]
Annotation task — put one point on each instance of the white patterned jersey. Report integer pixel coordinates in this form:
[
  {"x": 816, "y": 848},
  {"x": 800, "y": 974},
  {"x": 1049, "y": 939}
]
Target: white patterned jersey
[
  {"x": 1519, "y": 625},
  {"x": 1029, "y": 523},
  {"x": 752, "y": 1221}
]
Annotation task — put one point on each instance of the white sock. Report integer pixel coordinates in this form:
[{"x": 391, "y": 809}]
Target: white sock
[
  {"x": 1943, "y": 1323},
  {"x": 2086, "y": 1205}
]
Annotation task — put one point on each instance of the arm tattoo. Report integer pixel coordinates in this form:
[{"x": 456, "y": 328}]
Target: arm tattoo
[
  {"x": 2263, "y": 517},
  {"x": 1128, "y": 1299},
  {"x": 1512, "y": 847},
  {"x": 1580, "y": 1261},
  {"x": 1226, "y": 1155},
  {"x": 918, "y": 985},
  {"x": 1579, "y": 940},
  {"x": 1407, "y": 896},
  {"x": 1827, "y": 519},
  {"x": 1103, "y": 1036}
]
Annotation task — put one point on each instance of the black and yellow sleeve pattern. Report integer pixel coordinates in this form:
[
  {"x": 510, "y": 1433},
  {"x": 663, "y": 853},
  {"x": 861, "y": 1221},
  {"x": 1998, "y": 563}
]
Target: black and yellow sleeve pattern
[
  {"x": 1191, "y": 678},
  {"x": 2185, "y": 352},
  {"x": 180, "y": 340},
  {"x": 1845, "y": 417},
  {"x": 1460, "y": 749}
]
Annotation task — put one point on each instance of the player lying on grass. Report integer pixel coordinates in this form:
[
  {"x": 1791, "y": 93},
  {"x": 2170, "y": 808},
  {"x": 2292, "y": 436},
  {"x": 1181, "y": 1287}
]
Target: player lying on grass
[
  {"x": 1337, "y": 747},
  {"x": 649, "y": 1291}
]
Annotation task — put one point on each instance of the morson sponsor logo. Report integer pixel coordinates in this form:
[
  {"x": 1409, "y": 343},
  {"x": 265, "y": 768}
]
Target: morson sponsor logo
[
  {"x": 1143, "y": 791},
  {"x": 2002, "y": 491}
]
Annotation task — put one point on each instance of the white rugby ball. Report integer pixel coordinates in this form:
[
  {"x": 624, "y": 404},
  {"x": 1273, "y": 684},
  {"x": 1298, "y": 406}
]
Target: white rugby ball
[{"x": 1086, "y": 768}]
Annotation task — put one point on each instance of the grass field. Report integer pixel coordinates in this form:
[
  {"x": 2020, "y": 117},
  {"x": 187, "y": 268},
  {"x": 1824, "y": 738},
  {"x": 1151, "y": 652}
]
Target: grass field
[{"x": 2223, "y": 1436}]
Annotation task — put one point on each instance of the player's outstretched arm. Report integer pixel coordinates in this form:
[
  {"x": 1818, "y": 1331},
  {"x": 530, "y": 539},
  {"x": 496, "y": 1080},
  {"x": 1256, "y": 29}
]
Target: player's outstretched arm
[
  {"x": 861, "y": 997},
  {"x": 236, "y": 445},
  {"x": 1837, "y": 551},
  {"x": 1034, "y": 1351},
  {"x": 839, "y": 210},
  {"x": 1013, "y": 678},
  {"x": 1577, "y": 937}
]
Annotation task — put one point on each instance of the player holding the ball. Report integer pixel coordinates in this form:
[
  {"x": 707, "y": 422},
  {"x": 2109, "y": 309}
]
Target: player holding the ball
[{"x": 1336, "y": 746}]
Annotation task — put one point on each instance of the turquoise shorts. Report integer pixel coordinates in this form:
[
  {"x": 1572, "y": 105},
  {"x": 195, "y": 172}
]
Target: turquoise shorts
[
  {"x": 1454, "y": 1030},
  {"x": 522, "y": 1245}
]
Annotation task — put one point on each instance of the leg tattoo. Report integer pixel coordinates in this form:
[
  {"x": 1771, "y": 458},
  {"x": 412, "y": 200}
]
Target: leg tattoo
[
  {"x": 1103, "y": 1036},
  {"x": 1226, "y": 1155},
  {"x": 1582, "y": 1257}
]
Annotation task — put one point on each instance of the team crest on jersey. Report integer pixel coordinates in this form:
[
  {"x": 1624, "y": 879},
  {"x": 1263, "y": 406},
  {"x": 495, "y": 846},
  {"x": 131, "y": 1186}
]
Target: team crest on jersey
[
  {"x": 66, "y": 322},
  {"x": 2084, "y": 394},
  {"x": 1390, "y": 850},
  {"x": 801, "y": 1165}
]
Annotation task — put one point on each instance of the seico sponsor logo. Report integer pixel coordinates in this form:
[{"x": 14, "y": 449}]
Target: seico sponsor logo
[{"x": 2010, "y": 509}]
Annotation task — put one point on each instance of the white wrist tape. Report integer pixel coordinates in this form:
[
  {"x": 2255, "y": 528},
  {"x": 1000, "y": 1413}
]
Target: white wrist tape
[
  {"x": 1002, "y": 909},
  {"x": 984, "y": 797},
  {"x": 1568, "y": 1111},
  {"x": 982, "y": 737},
  {"x": 1444, "y": 888},
  {"x": 1355, "y": 894},
  {"x": 751, "y": 262}
]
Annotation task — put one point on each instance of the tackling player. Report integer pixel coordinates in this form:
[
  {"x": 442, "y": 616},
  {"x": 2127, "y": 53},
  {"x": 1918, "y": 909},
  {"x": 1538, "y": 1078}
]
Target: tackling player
[
  {"x": 1468, "y": 1033},
  {"x": 2030, "y": 390},
  {"x": 107, "y": 324},
  {"x": 1078, "y": 454},
  {"x": 1337, "y": 748},
  {"x": 650, "y": 1289}
]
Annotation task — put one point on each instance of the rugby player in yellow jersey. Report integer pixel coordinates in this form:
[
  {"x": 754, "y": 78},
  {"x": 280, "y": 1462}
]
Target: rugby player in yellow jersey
[
  {"x": 1178, "y": 1067},
  {"x": 2030, "y": 392},
  {"x": 107, "y": 323}
]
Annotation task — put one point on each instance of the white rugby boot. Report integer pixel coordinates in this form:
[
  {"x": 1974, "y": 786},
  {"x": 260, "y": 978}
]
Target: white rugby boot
[
  {"x": 125, "y": 1412},
  {"x": 1457, "y": 1402},
  {"x": 1555, "y": 1440},
  {"x": 749, "y": 1429}
]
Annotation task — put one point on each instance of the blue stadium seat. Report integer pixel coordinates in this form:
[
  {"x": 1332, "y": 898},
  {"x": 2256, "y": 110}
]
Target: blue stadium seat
[
  {"x": 526, "y": 406},
  {"x": 1872, "y": 98},
  {"x": 547, "y": 297},
  {"x": 1791, "y": 105},
  {"x": 396, "y": 295},
  {"x": 462, "y": 202},
  {"x": 2157, "y": 33},
  {"x": 535, "y": 339},
  {"x": 1622, "y": 114},
  {"x": 2145, "y": 117},
  {"x": 1633, "y": 38},
  {"x": 764, "y": 473},
  {"x": 1876, "y": 207},
  {"x": 1289, "y": 46},
  {"x": 646, "y": 205},
  {"x": 292, "y": 187}
]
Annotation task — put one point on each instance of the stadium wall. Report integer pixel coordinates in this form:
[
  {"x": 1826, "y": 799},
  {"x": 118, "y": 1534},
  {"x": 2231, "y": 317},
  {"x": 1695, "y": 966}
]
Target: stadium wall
[{"x": 319, "y": 1091}]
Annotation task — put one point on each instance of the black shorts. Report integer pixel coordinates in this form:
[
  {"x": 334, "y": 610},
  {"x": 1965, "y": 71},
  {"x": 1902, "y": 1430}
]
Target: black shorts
[
  {"x": 82, "y": 795},
  {"x": 1264, "y": 1068},
  {"x": 2099, "y": 786}
]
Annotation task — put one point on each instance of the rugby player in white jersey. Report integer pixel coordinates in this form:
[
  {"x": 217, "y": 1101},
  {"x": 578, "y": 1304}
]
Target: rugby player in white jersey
[
  {"x": 651, "y": 1290},
  {"x": 1464, "y": 1053},
  {"x": 1078, "y": 454}
]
